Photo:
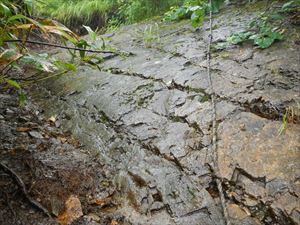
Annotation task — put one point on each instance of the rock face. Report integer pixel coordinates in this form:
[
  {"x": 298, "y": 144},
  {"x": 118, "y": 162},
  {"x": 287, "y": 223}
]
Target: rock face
[{"x": 149, "y": 115}]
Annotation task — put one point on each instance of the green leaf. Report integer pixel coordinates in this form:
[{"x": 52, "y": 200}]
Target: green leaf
[
  {"x": 264, "y": 42},
  {"x": 197, "y": 17},
  {"x": 29, "y": 6},
  {"x": 70, "y": 66},
  {"x": 221, "y": 45},
  {"x": 82, "y": 44},
  {"x": 291, "y": 5},
  {"x": 39, "y": 61},
  {"x": 240, "y": 37},
  {"x": 16, "y": 17},
  {"x": 92, "y": 34},
  {"x": 13, "y": 84},
  {"x": 5, "y": 10},
  {"x": 65, "y": 66},
  {"x": 22, "y": 98},
  {"x": 266, "y": 38},
  {"x": 276, "y": 36},
  {"x": 216, "y": 5}
]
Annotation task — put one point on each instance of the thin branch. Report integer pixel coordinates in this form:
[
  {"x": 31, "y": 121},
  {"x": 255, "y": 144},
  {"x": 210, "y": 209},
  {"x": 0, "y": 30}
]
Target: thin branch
[
  {"x": 61, "y": 46},
  {"x": 46, "y": 78},
  {"x": 9, "y": 64},
  {"x": 26, "y": 39},
  {"x": 216, "y": 169}
]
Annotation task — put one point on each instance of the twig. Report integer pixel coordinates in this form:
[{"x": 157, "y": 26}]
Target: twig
[
  {"x": 21, "y": 184},
  {"x": 61, "y": 46},
  {"x": 214, "y": 122}
]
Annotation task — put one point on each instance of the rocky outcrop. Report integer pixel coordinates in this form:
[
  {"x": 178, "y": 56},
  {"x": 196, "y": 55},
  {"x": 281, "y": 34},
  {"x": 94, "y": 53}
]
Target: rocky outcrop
[{"x": 149, "y": 115}]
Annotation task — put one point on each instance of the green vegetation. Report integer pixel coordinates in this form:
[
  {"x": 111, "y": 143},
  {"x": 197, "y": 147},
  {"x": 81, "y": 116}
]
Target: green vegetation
[
  {"x": 193, "y": 9},
  {"x": 97, "y": 13},
  {"x": 263, "y": 31},
  {"x": 17, "y": 27},
  {"x": 266, "y": 28},
  {"x": 150, "y": 36},
  {"x": 291, "y": 115}
]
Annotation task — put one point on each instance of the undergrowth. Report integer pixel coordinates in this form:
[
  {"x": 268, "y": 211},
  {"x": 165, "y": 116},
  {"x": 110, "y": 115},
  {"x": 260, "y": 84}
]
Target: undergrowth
[
  {"x": 100, "y": 13},
  {"x": 193, "y": 9},
  {"x": 262, "y": 31},
  {"x": 17, "y": 29},
  {"x": 267, "y": 28}
]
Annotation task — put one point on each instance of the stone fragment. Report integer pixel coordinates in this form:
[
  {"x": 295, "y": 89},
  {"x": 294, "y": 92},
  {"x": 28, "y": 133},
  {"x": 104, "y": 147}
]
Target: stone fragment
[
  {"x": 156, "y": 206},
  {"x": 287, "y": 203},
  {"x": 92, "y": 217},
  {"x": 36, "y": 134},
  {"x": 296, "y": 216},
  {"x": 235, "y": 212},
  {"x": 9, "y": 111}
]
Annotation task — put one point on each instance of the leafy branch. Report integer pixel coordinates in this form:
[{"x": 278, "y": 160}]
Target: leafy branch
[
  {"x": 16, "y": 26},
  {"x": 195, "y": 10}
]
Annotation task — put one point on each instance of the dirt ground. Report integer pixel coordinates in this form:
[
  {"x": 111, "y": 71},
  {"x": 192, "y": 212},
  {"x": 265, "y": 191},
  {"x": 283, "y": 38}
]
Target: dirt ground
[{"x": 52, "y": 166}]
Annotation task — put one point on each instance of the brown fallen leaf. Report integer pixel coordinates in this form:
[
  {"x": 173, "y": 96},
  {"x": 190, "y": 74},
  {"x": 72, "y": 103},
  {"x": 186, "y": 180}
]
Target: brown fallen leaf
[
  {"x": 62, "y": 139},
  {"x": 113, "y": 222},
  {"x": 23, "y": 129},
  {"x": 72, "y": 211},
  {"x": 100, "y": 202}
]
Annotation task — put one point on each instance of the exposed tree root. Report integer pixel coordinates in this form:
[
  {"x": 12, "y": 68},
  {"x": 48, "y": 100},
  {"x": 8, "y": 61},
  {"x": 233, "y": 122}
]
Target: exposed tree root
[{"x": 22, "y": 186}]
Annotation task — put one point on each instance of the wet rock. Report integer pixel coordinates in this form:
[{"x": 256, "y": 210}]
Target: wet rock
[
  {"x": 243, "y": 54},
  {"x": 200, "y": 113},
  {"x": 178, "y": 139},
  {"x": 144, "y": 124},
  {"x": 157, "y": 206},
  {"x": 254, "y": 159},
  {"x": 177, "y": 193},
  {"x": 195, "y": 161},
  {"x": 150, "y": 116},
  {"x": 277, "y": 187},
  {"x": 262, "y": 150},
  {"x": 287, "y": 203}
]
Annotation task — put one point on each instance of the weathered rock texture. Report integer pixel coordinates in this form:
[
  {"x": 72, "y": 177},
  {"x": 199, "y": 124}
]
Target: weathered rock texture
[{"x": 149, "y": 115}]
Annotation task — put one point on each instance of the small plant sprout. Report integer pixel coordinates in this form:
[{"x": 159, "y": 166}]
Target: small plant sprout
[{"x": 151, "y": 35}]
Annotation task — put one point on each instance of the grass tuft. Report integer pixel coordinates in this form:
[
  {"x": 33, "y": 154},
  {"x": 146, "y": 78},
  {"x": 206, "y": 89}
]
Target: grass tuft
[{"x": 98, "y": 13}]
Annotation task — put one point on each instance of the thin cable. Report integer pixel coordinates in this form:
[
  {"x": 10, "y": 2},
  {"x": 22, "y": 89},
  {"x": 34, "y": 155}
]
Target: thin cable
[{"x": 214, "y": 122}]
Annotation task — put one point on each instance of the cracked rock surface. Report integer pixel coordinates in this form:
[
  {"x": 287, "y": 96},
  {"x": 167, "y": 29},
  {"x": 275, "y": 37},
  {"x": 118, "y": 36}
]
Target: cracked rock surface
[{"x": 149, "y": 116}]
